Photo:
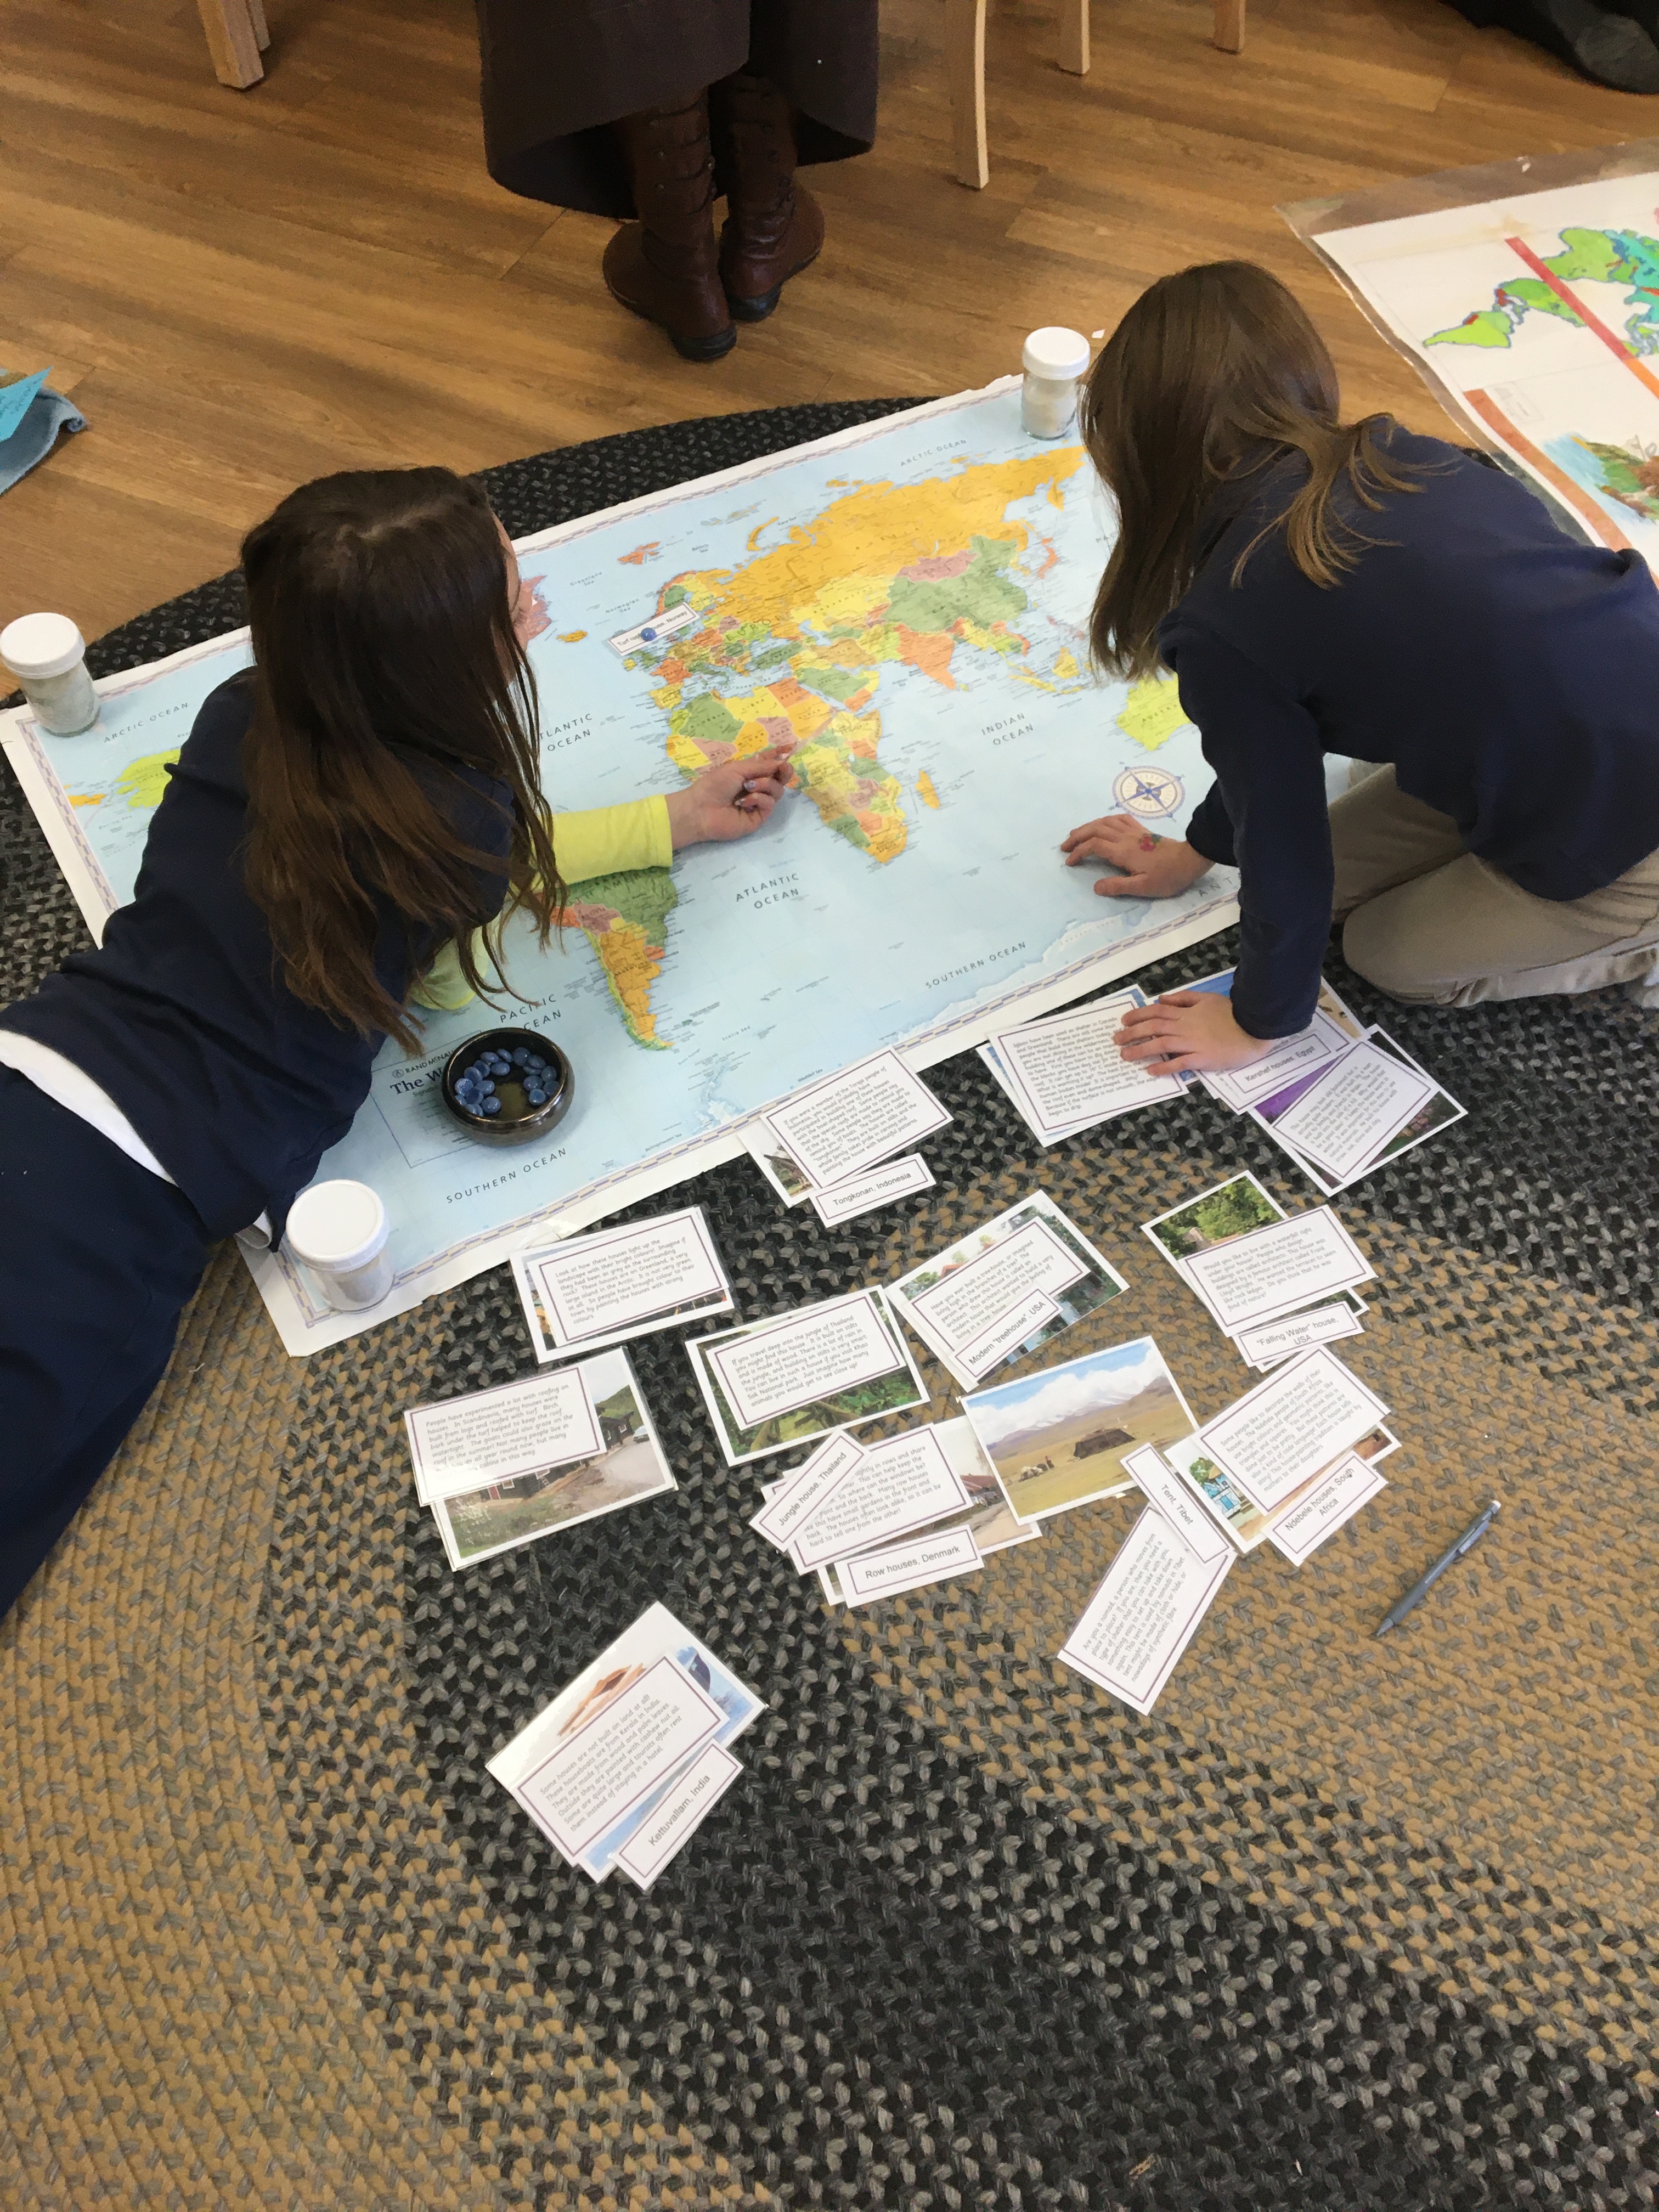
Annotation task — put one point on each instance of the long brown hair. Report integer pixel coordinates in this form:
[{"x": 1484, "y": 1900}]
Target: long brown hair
[
  {"x": 1216, "y": 373},
  {"x": 385, "y": 662}
]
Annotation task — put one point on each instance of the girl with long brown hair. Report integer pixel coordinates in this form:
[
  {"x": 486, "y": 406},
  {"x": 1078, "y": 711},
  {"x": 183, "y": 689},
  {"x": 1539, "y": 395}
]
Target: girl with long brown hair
[
  {"x": 1323, "y": 586},
  {"x": 342, "y": 825}
]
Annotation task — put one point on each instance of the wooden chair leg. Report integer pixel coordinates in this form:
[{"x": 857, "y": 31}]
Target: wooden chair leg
[
  {"x": 1230, "y": 26},
  {"x": 257, "y": 16},
  {"x": 1074, "y": 36},
  {"x": 234, "y": 41},
  {"x": 964, "y": 40}
]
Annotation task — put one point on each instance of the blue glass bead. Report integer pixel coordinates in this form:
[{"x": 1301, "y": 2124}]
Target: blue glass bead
[
  {"x": 490, "y": 1106},
  {"x": 536, "y": 1098},
  {"x": 649, "y": 634},
  {"x": 521, "y": 1056}
]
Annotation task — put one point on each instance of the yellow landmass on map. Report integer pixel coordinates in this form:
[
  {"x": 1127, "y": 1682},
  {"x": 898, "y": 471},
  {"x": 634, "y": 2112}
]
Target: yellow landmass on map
[
  {"x": 143, "y": 782},
  {"x": 624, "y": 918},
  {"x": 631, "y": 966},
  {"x": 855, "y": 547},
  {"x": 1064, "y": 666},
  {"x": 925, "y": 790},
  {"x": 1152, "y": 713}
]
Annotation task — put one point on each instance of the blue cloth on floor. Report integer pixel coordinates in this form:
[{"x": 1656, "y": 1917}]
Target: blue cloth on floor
[{"x": 46, "y": 414}]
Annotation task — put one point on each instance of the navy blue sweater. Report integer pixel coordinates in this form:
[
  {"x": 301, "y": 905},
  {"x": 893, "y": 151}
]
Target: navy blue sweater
[
  {"x": 1510, "y": 674},
  {"x": 182, "y": 1014}
]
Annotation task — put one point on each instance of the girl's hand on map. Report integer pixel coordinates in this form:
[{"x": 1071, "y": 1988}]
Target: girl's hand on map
[
  {"x": 1190, "y": 1029},
  {"x": 728, "y": 801},
  {"x": 1153, "y": 867}
]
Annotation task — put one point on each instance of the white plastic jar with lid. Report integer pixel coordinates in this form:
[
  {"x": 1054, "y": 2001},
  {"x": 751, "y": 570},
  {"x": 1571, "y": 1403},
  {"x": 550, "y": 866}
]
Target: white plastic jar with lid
[
  {"x": 338, "y": 1229},
  {"x": 47, "y": 654},
  {"x": 1053, "y": 360}
]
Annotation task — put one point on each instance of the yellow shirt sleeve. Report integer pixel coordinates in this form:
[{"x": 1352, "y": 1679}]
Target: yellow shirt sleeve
[
  {"x": 610, "y": 841},
  {"x": 602, "y": 840}
]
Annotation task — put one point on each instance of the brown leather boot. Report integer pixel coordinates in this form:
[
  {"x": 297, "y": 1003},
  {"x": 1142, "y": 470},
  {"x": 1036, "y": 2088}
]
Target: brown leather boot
[
  {"x": 773, "y": 227},
  {"x": 665, "y": 266}
]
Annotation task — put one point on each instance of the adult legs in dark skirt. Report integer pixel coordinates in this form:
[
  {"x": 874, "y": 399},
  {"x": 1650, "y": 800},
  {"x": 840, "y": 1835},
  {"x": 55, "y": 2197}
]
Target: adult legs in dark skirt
[
  {"x": 98, "y": 1260},
  {"x": 655, "y": 109}
]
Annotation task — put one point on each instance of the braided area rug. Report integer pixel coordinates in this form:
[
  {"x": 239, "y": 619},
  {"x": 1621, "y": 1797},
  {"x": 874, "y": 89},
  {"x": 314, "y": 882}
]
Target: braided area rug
[{"x": 1343, "y": 1926}]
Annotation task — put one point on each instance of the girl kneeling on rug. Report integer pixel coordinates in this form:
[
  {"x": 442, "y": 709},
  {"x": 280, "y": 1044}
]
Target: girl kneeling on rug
[
  {"x": 1320, "y": 587},
  {"x": 348, "y": 813}
]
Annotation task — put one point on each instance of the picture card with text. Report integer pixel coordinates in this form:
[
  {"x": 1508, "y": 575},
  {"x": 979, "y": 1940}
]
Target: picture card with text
[
  {"x": 847, "y": 1122},
  {"x": 784, "y": 1381},
  {"x": 656, "y": 1635},
  {"x": 1356, "y": 1115},
  {"x": 1277, "y": 1270},
  {"x": 623, "y": 1753},
  {"x": 1066, "y": 1074},
  {"x": 988, "y": 1518},
  {"x": 1333, "y": 1028},
  {"x": 629, "y": 1467},
  {"x": 1057, "y": 1439},
  {"x": 1243, "y": 1522},
  {"x": 1306, "y": 1414},
  {"x": 486, "y": 1436},
  {"x": 905, "y": 1483},
  {"x": 1134, "y": 1629},
  {"x": 615, "y": 1283},
  {"x": 1004, "y": 1291}
]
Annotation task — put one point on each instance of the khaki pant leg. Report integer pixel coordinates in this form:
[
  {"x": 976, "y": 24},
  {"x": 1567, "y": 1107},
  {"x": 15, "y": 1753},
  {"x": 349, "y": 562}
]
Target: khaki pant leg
[
  {"x": 1380, "y": 837},
  {"x": 1465, "y": 932}
]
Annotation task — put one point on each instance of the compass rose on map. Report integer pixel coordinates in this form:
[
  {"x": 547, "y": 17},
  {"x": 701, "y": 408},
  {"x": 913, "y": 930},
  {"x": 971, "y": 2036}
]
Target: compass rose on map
[{"x": 1150, "y": 792}]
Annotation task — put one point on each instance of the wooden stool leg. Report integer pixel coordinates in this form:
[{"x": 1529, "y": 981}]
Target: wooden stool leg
[
  {"x": 965, "y": 39},
  {"x": 232, "y": 40},
  {"x": 257, "y": 18},
  {"x": 1074, "y": 36},
  {"x": 1230, "y": 26}
]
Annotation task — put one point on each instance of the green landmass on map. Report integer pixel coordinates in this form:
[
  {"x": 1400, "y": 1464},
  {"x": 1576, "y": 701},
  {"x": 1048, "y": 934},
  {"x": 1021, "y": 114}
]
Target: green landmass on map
[
  {"x": 1629, "y": 474},
  {"x": 1587, "y": 257},
  {"x": 625, "y": 919}
]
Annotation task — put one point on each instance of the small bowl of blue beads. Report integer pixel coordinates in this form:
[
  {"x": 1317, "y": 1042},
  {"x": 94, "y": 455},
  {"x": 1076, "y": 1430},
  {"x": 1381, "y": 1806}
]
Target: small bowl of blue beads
[{"x": 508, "y": 1086}]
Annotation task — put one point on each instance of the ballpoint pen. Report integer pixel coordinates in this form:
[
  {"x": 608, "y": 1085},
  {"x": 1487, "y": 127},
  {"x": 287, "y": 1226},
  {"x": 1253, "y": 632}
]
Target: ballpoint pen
[{"x": 1419, "y": 1589}]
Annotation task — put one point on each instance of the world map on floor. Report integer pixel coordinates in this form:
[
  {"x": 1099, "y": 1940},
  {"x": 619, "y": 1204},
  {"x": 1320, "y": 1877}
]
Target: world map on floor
[{"x": 906, "y": 608}]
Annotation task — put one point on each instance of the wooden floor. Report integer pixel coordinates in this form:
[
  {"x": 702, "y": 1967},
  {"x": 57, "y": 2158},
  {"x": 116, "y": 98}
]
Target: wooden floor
[{"x": 245, "y": 290}]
